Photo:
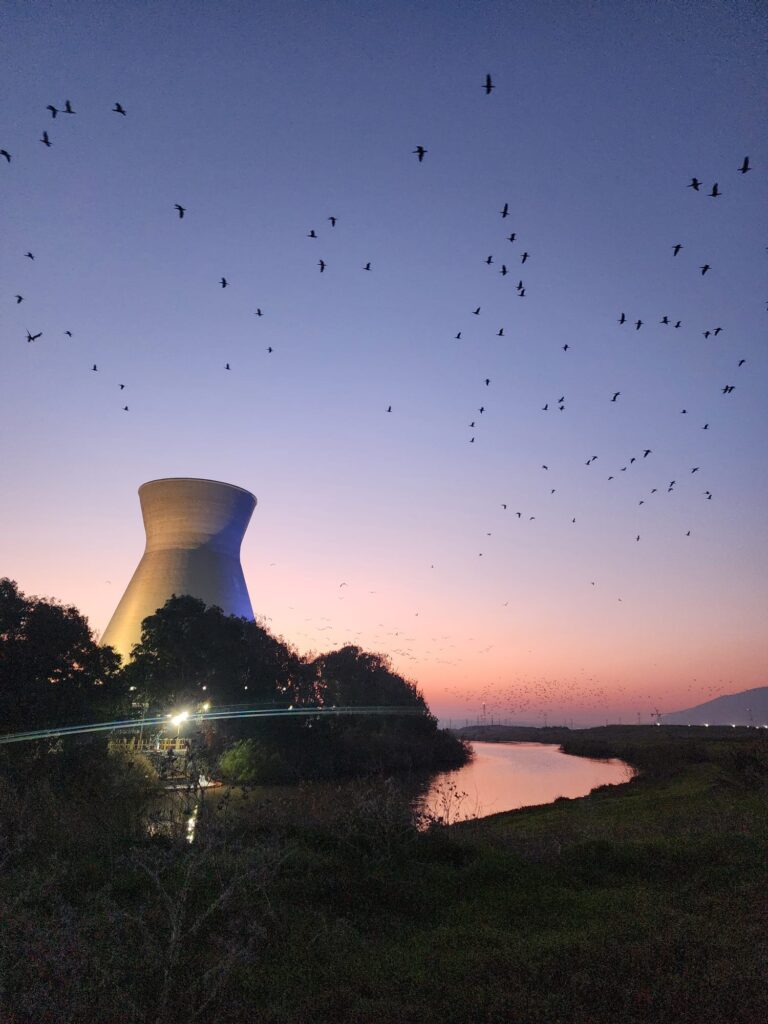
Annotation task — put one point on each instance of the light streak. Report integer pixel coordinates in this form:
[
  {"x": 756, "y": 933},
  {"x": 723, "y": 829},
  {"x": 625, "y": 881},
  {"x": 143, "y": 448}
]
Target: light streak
[{"x": 209, "y": 716}]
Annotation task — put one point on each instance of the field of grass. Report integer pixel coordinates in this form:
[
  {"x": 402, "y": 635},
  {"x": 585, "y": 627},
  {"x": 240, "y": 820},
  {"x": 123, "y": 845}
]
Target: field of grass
[{"x": 640, "y": 903}]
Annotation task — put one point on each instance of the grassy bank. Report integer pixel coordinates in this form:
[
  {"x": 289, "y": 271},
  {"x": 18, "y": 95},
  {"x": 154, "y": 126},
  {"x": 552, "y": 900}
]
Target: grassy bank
[{"x": 639, "y": 903}]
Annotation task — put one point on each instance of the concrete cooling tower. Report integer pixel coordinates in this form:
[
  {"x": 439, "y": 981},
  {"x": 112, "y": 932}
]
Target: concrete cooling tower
[{"x": 194, "y": 530}]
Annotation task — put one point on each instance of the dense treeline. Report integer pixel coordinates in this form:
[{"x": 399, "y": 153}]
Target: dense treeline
[{"x": 53, "y": 672}]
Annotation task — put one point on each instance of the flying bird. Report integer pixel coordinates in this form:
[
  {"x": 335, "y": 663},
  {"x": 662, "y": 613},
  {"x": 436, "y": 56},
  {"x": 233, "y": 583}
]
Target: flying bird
[
  {"x": 367, "y": 266},
  {"x": 45, "y": 140},
  {"x": 125, "y": 408},
  {"x": 715, "y": 191},
  {"x": 19, "y": 298},
  {"x": 745, "y": 166},
  {"x": 664, "y": 320},
  {"x": 500, "y": 333},
  {"x": 488, "y": 86},
  {"x": 118, "y": 109},
  {"x": 647, "y": 452},
  {"x": 311, "y": 233},
  {"x": 678, "y": 324},
  {"x": 742, "y": 361},
  {"x": 615, "y": 395},
  {"x": 512, "y": 237},
  {"x": 258, "y": 312},
  {"x": 695, "y": 184},
  {"x": 34, "y": 337},
  {"x": 505, "y": 210},
  {"x": 6, "y": 154},
  {"x": 638, "y": 324},
  {"x": 334, "y": 219},
  {"x": 717, "y": 330},
  {"x": 503, "y": 270},
  {"x": 227, "y": 366},
  {"x": 94, "y": 368},
  {"x": 476, "y": 311},
  {"x": 223, "y": 282},
  {"x": 704, "y": 269},
  {"x": 68, "y": 333},
  {"x": 622, "y": 319},
  {"x": 487, "y": 381},
  {"x": 458, "y": 336},
  {"x": 29, "y": 255},
  {"x": 321, "y": 264},
  {"x": 676, "y": 249},
  {"x": 68, "y": 108},
  {"x": 420, "y": 151},
  {"x": 389, "y": 408},
  {"x": 181, "y": 209},
  {"x": 524, "y": 257},
  {"x": 52, "y": 109}
]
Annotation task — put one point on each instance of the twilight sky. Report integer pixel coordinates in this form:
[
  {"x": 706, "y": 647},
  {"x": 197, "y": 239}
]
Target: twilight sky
[{"x": 264, "y": 119}]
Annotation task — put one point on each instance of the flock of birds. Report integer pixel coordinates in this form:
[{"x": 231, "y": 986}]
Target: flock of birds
[{"x": 524, "y": 696}]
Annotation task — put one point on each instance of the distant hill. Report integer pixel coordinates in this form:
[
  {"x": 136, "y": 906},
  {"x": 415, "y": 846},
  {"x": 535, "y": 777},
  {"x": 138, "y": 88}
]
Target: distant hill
[{"x": 750, "y": 707}]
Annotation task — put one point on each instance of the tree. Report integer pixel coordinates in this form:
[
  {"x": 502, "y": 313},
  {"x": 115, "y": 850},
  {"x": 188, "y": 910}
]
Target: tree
[
  {"x": 52, "y": 671},
  {"x": 191, "y": 653}
]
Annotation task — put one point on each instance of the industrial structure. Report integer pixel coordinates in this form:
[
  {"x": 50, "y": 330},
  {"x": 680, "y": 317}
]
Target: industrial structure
[{"x": 194, "y": 531}]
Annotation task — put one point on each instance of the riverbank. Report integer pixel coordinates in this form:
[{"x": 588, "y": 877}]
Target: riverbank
[{"x": 642, "y": 902}]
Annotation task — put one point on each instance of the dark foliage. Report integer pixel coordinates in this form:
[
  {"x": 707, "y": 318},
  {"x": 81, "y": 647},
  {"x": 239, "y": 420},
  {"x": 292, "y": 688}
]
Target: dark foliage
[{"x": 51, "y": 669}]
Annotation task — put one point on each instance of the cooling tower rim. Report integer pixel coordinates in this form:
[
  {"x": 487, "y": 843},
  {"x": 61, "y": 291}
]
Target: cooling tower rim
[{"x": 197, "y": 480}]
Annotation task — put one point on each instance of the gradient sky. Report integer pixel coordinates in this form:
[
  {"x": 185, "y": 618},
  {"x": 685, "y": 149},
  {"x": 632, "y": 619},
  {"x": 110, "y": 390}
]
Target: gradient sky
[{"x": 263, "y": 119}]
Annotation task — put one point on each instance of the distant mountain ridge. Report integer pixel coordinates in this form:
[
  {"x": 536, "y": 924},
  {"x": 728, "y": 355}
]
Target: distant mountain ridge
[{"x": 750, "y": 707}]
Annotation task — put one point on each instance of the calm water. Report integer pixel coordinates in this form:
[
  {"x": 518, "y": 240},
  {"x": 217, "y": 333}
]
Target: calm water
[{"x": 504, "y": 776}]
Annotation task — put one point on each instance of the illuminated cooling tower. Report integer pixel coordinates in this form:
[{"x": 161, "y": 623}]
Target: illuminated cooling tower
[{"x": 194, "y": 530}]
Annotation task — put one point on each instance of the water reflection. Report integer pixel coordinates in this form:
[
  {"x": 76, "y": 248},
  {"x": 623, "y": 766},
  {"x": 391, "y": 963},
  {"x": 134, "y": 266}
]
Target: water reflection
[{"x": 505, "y": 776}]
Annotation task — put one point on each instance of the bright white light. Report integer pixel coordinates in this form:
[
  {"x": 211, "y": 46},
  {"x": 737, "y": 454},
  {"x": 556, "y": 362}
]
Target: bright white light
[
  {"x": 206, "y": 706},
  {"x": 177, "y": 719}
]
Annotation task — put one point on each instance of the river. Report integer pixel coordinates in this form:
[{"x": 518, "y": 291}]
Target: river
[{"x": 505, "y": 776}]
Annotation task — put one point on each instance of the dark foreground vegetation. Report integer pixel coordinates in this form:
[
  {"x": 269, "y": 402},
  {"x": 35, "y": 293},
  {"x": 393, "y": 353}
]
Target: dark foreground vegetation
[{"x": 644, "y": 902}]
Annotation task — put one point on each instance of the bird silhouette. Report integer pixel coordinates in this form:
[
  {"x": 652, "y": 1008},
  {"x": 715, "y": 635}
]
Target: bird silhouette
[
  {"x": 389, "y": 408},
  {"x": 118, "y": 109},
  {"x": 742, "y": 361},
  {"x": 704, "y": 269},
  {"x": 638, "y": 324},
  {"x": 664, "y": 320},
  {"x": 321, "y": 264},
  {"x": 706, "y": 333},
  {"x": 181, "y": 210},
  {"x": 29, "y": 255},
  {"x": 19, "y": 298},
  {"x": 622, "y": 319},
  {"x": 94, "y": 368},
  {"x": 4, "y": 153},
  {"x": 505, "y": 210},
  {"x": 223, "y": 282},
  {"x": 545, "y": 407},
  {"x": 524, "y": 257},
  {"x": 678, "y": 324},
  {"x": 53, "y": 110},
  {"x": 503, "y": 270},
  {"x": 615, "y": 395},
  {"x": 647, "y": 452},
  {"x": 728, "y": 389},
  {"x": 122, "y": 387},
  {"x": 481, "y": 410},
  {"x": 311, "y": 233},
  {"x": 45, "y": 140},
  {"x": 705, "y": 427},
  {"x": 489, "y": 260},
  {"x": 420, "y": 152},
  {"x": 676, "y": 249},
  {"x": 334, "y": 219},
  {"x": 717, "y": 330},
  {"x": 566, "y": 347},
  {"x": 125, "y": 408},
  {"x": 488, "y": 85},
  {"x": 68, "y": 333},
  {"x": 695, "y": 184},
  {"x": 487, "y": 381},
  {"x": 68, "y": 108},
  {"x": 476, "y": 311},
  {"x": 745, "y": 166},
  {"x": 367, "y": 266},
  {"x": 258, "y": 312},
  {"x": 227, "y": 366},
  {"x": 34, "y": 337},
  {"x": 500, "y": 333},
  {"x": 458, "y": 336},
  {"x": 715, "y": 191},
  {"x": 521, "y": 293},
  {"x": 512, "y": 237}
]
